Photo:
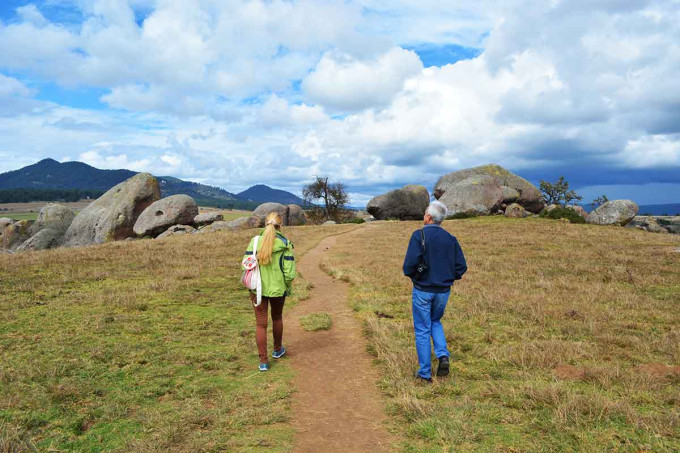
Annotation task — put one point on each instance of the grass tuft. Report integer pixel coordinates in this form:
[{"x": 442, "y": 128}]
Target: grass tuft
[{"x": 316, "y": 321}]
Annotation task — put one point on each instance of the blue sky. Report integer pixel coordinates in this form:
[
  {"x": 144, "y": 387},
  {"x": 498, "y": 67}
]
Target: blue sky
[{"x": 373, "y": 93}]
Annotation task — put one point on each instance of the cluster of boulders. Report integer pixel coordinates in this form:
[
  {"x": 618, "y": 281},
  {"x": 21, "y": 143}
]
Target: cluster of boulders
[
  {"x": 132, "y": 209},
  {"x": 656, "y": 224},
  {"x": 292, "y": 215},
  {"x": 484, "y": 190},
  {"x": 491, "y": 189}
]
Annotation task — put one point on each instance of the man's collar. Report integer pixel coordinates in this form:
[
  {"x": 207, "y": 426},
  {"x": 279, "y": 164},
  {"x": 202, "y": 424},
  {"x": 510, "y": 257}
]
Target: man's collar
[{"x": 432, "y": 225}]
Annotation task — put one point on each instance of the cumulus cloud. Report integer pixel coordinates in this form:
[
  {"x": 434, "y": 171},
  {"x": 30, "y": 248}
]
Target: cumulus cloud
[
  {"x": 214, "y": 91},
  {"x": 342, "y": 82}
]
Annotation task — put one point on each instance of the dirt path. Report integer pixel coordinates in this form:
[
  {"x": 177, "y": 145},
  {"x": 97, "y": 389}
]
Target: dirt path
[{"x": 337, "y": 406}]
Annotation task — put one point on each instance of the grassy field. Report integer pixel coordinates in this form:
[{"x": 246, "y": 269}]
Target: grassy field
[
  {"x": 21, "y": 215},
  {"x": 228, "y": 214},
  {"x": 139, "y": 346},
  {"x": 563, "y": 337}
]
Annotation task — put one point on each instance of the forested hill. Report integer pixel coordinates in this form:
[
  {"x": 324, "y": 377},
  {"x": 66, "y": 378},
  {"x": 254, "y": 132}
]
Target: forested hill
[
  {"x": 49, "y": 180},
  {"x": 50, "y": 174},
  {"x": 261, "y": 193}
]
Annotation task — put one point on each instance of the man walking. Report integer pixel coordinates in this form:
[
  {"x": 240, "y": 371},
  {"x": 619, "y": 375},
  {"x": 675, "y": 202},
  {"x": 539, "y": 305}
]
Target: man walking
[{"x": 433, "y": 261}]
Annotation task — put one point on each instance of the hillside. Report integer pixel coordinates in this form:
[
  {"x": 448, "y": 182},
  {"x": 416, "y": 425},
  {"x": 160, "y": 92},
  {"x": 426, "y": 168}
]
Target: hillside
[
  {"x": 49, "y": 180},
  {"x": 261, "y": 193},
  {"x": 48, "y": 175}
]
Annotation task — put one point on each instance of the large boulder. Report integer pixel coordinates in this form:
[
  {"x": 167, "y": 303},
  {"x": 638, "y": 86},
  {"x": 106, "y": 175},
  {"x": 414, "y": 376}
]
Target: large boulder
[
  {"x": 162, "y": 214},
  {"x": 44, "y": 239},
  {"x": 515, "y": 210},
  {"x": 112, "y": 216},
  {"x": 177, "y": 230},
  {"x": 54, "y": 217},
  {"x": 49, "y": 228},
  {"x": 4, "y": 223},
  {"x": 296, "y": 215},
  {"x": 265, "y": 208},
  {"x": 207, "y": 218},
  {"x": 476, "y": 195},
  {"x": 514, "y": 188},
  {"x": 616, "y": 212},
  {"x": 16, "y": 234},
  {"x": 407, "y": 203}
]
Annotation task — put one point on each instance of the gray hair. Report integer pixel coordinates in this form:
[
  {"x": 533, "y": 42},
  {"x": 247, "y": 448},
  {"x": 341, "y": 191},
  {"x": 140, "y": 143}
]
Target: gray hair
[{"x": 437, "y": 211}]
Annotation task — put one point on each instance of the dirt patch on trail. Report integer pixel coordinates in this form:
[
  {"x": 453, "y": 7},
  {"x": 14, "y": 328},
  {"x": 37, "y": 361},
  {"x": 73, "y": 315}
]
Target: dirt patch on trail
[{"x": 336, "y": 406}]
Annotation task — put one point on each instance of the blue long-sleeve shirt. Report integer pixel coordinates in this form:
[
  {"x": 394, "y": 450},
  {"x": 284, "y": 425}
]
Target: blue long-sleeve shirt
[{"x": 444, "y": 258}]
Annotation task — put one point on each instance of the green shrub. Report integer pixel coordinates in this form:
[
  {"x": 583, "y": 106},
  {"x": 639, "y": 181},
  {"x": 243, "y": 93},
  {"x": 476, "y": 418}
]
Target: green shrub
[
  {"x": 355, "y": 220},
  {"x": 563, "y": 213}
]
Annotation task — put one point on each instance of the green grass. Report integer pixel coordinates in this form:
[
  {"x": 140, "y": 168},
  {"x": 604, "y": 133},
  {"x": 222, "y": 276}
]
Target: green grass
[
  {"x": 316, "y": 321},
  {"x": 553, "y": 332},
  {"x": 138, "y": 346},
  {"x": 20, "y": 215}
]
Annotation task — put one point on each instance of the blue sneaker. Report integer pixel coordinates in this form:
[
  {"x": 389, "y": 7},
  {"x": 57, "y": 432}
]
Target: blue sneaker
[
  {"x": 280, "y": 353},
  {"x": 264, "y": 367}
]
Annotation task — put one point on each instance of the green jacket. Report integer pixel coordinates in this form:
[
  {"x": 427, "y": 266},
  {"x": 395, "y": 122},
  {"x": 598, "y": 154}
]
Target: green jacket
[{"x": 277, "y": 276}]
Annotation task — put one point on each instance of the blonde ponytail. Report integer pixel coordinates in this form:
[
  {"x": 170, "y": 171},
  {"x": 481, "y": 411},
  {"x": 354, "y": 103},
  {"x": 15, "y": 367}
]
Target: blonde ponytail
[{"x": 264, "y": 253}]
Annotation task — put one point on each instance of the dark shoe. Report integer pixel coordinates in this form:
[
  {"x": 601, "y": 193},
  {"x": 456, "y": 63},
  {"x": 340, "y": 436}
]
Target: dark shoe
[
  {"x": 443, "y": 369},
  {"x": 423, "y": 380}
]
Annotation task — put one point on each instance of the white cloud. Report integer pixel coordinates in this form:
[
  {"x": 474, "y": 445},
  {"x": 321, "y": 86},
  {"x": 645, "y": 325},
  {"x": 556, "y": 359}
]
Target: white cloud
[
  {"x": 342, "y": 82},
  {"x": 276, "y": 112},
  {"x": 211, "y": 91},
  {"x": 9, "y": 86}
]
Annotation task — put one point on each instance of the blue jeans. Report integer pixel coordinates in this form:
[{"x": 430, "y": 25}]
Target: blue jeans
[{"x": 428, "y": 309}]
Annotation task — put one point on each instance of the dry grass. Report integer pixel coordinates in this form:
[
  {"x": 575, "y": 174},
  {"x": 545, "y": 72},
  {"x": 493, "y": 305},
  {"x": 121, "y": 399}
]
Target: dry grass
[
  {"x": 139, "y": 346},
  {"x": 550, "y": 331}
]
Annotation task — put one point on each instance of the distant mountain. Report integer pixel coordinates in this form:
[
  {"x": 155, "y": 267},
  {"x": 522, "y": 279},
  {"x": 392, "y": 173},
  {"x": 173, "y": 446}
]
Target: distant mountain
[
  {"x": 77, "y": 176},
  {"x": 660, "y": 209},
  {"x": 262, "y": 194},
  {"x": 50, "y": 174}
]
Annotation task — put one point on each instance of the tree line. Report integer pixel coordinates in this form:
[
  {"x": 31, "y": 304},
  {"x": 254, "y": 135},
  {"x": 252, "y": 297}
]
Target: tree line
[{"x": 26, "y": 195}]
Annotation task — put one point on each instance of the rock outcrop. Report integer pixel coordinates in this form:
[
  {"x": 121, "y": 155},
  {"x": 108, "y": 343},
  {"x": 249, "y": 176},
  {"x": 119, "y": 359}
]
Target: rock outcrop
[
  {"x": 296, "y": 215},
  {"x": 112, "y": 216},
  {"x": 207, "y": 218},
  {"x": 49, "y": 228},
  {"x": 513, "y": 188},
  {"x": 616, "y": 212},
  {"x": 162, "y": 214},
  {"x": 407, "y": 203},
  {"x": 4, "y": 223},
  {"x": 242, "y": 223},
  {"x": 265, "y": 208},
  {"x": 177, "y": 230},
  {"x": 515, "y": 210},
  {"x": 16, "y": 234},
  {"x": 656, "y": 224},
  {"x": 42, "y": 240},
  {"x": 475, "y": 195},
  {"x": 55, "y": 217}
]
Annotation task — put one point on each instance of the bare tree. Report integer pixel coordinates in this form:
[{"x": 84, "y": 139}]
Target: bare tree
[{"x": 333, "y": 195}]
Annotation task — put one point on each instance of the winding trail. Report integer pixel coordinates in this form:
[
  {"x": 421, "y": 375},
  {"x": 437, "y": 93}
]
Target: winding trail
[{"x": 337, "y": 406}]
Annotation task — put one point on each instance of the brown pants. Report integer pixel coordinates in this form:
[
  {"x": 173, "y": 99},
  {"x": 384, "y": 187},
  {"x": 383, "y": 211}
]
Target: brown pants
[{"x": 261, "y": 324}]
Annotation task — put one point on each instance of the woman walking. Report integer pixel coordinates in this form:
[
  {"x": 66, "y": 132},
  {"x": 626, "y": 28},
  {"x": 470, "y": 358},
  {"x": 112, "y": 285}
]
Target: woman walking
[{"x": 277, "y": 271}]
